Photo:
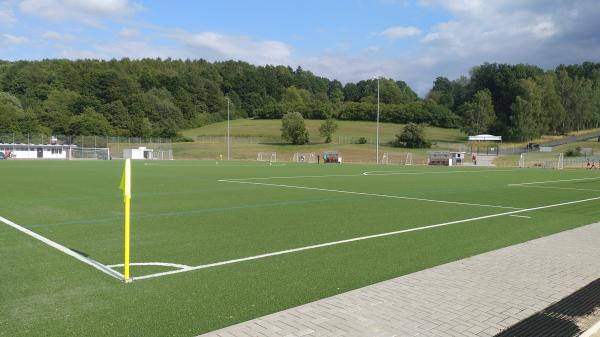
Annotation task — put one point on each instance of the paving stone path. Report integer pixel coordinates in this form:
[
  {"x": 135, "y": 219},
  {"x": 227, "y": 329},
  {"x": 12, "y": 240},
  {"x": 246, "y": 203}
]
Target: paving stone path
[{"x": 476, "y": 296}]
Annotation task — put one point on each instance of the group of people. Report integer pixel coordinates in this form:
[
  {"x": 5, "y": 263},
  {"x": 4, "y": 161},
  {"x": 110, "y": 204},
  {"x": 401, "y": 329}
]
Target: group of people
[
  {"x": 592, "y": 165},
  {"x": 6, "y": 154}
]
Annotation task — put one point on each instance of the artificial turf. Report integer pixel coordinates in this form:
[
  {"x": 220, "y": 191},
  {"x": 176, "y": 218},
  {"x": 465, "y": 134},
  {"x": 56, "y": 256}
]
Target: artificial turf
[{"x": 183, "y": 213}]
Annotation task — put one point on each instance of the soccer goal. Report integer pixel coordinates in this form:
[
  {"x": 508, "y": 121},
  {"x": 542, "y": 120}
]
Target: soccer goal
[
  {"x": 267, "y": 156},
  {"x": 300, "y": 157},
  {"x": 397, "y": 158},
  {"x": 88, "y": 153},
  {"x": 542, "y": 160}
]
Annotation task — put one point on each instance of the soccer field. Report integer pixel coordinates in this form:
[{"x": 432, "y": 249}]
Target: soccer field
[{"x": 215, "y": 244}]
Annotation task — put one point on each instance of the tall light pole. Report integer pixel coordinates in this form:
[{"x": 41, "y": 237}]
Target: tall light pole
[
  {"x": 377, "y": 137},
  {"x": 228, "y": 137}
]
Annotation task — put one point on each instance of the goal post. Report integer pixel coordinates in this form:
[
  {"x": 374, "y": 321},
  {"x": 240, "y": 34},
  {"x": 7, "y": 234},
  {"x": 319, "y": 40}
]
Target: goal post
[
  {"x": 88, "y": 153},
  {"x": 542, "y": 160},
  {"x": 522, "y": 160},
  {"x": 267, "y": 156},
  {"x": 301, "y": 157},
  {"x": 560, "y": 164},
  {"x": 390, "y": 158}
]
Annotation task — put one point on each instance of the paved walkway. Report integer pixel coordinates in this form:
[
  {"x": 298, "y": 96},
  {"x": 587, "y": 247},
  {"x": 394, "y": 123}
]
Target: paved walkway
[{"x": 477, "y": 296}]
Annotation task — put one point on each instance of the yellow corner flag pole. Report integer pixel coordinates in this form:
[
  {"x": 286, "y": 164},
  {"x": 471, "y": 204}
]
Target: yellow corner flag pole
[{"x": 126, "y": 187}]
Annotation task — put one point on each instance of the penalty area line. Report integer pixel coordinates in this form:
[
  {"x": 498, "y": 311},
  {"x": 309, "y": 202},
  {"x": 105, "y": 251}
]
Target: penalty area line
[
  {"x": 392, "y": 173},
  {"x": 366, "y": 194},
  {"x": 361, "y": 238},
  {"x": 520, "y": 216},
  {"x": 65, "y": 250},
  {"x": 552, "y": 181}
]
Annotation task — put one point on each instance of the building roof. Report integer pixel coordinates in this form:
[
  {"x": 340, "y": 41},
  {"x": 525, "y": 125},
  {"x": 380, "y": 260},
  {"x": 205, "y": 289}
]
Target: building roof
[
  {"x": 485, "y": 137},
  {"x": 14, "y": 145}
]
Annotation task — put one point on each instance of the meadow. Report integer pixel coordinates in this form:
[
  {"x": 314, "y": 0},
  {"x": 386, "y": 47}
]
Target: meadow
[{"x": 265, "y": 136}]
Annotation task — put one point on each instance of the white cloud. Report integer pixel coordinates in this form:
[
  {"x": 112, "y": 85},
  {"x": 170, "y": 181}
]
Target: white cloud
[
  {"x": 130, "y": 48},
  {"x": 216, "y": 46},
  {"x": 7, "y": 17},
  {"x": 398, "y": 32},
  {"x": 540, "y": 32},
  {"x": 86, "y": 11},
  {"x": 56, "y": 36},
  {"x": 134, "y": 49},
  {"x": 9, "y": 39},
  {"x": 510, "y": 31},
  {"x": 128, "y": 33}
]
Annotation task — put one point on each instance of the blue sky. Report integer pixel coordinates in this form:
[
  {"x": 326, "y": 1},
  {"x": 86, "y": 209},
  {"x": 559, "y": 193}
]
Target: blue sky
[{"x": 349, "y": 40}]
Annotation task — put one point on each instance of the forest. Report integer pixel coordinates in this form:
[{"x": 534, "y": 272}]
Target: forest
[{"x": 154, "y": 97}]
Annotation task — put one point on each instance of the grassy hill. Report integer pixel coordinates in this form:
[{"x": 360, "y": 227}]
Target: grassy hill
[
  {"x": 245, "y": 143},
  {"x": 355, "y": 129}
]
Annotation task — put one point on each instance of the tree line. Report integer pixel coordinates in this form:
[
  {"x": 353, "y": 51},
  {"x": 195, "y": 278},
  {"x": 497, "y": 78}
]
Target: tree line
[
  {"x": 154, "y": 97},
  {"x": 523, "y": 102}
]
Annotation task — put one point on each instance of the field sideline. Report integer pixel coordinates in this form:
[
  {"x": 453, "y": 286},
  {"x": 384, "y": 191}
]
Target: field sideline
[{"x": 216, "y": 244}]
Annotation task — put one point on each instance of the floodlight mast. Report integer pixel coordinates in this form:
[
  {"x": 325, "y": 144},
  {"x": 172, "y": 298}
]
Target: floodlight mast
[{"x": 228, "y": 134}]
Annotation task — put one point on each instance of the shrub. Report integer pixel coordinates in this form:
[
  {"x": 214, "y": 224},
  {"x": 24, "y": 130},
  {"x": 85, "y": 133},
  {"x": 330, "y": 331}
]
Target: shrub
[
  {"x": 327, "y": 129},
  {"x": 293, "y": 128},
  {"x": 361, "y": 140},
  {"x": 412, "y": 136},
  {"x": 573, "y": 152}
]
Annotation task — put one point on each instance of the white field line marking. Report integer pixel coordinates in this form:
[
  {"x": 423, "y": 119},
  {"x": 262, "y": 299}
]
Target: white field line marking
[
  {"x": 367, "y": 194},
  {"x": 391, "y": 173},
  {"x": 161, "y": 264},
  {"x": 64, "y": 249},
  {"x": 552, "y": 181},
  {"x": 321, "y": 245},
  {"x": 368, "y": 173},
  {"x": 589, "y": 332},
  {"x": 557, "y": 188},
  {"x": 214, "y": 165},
  {"x": 295, "y": 177},
  {"x": 520, "y": 216}
]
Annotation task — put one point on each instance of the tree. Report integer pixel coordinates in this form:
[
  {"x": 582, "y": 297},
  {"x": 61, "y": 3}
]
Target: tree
[
  {"x": 90, "y": 123},
  {"x": 11, "y": 112},
  {"x": 412, "y": 136},
  {"x": 478, "y": 115},
  {"x": 527, "y": 121},
  {"x": 442, "y": 92},
  {"x": 327, "y": 129},
  {"x": 293, "y": 128},
  {"x": 552, "y": 107}
]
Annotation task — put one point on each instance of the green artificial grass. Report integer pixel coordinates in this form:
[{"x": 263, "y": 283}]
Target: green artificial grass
[{"x": 182, "y": 213}]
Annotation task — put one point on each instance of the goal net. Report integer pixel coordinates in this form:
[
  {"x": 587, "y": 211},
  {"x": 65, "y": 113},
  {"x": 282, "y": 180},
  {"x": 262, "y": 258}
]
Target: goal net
[
  {"x": 300, "y": 157},
  {"x": 88, "y": 153},
  {"x": 397, "y": 158},
  {"x": 267, "y": 156},
  {"x": 542, "y": 160}
]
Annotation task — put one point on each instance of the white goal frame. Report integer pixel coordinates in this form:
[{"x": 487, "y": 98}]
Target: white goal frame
[
  {"x": 88, "y": 153},
  {"x": 308, "y": 157},
  {"x": 555, "y": 161},
  {"x": 267, "y": 156},
  {"x": 403, "y": 158}
]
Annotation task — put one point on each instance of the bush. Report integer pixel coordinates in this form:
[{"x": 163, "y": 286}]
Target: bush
[
  {"x": 361, "y": 140},
  {"x": 293, "y": 128},
  {"x": 412, "y": 136},
  {"x": 327, "y": 129},
  {"x": 573, "y": 152},
  {"x": 179, "y": 138}
]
